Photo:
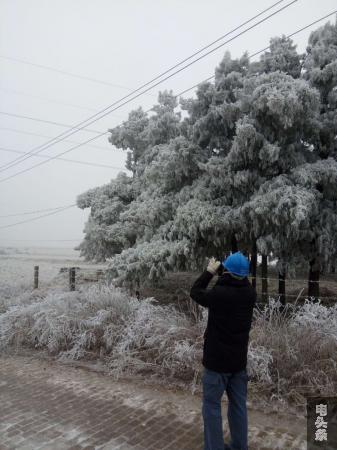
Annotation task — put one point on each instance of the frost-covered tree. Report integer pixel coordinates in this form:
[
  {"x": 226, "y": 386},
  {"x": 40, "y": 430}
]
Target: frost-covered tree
[
  {"x": 104, "y": 233},
  {"x": 320, "y": 69},
  {"x": 234, "y": 170},
  {"x": 141, "y": 132},
  {"x": 282, "y": 56},
  {"x": 279, "y": 116},
  {"x": 130, "y": 136},
  {"x": 320, "y": 179},
  {"x": 166, "y": 154}
]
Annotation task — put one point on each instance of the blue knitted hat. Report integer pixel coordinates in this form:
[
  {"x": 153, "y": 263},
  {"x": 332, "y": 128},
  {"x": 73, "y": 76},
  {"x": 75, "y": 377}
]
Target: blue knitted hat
[{"x": 237, "y": 264}]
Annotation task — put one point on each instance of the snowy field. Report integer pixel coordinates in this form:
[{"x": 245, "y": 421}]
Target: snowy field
[
  {"x": 17, "y": 264},
  {"x": 291, "y": 352}
]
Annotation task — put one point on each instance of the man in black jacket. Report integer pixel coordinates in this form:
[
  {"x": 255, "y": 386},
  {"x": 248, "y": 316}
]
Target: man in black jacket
[{"x": 230, "y": 306}]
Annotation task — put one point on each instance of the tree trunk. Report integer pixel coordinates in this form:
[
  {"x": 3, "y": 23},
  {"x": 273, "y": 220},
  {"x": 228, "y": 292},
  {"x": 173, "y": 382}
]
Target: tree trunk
[
  {"x": 234, "y": 244},
  {"x": 313, "y": 281},
  {"x": 282, "y": 287},
  {"x": 253, "y": 264},
  {"x": 264, "y": 276}
]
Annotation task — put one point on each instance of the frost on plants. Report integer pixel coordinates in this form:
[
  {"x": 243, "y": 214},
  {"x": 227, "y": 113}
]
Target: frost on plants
[
  {"x": 250, "y": 158},
  {"x": 291, "y": 350}
]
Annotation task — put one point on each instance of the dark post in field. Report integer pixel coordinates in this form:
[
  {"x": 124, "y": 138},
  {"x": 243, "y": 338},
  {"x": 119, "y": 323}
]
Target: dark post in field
[
  {"x": 282, "y": 287},
  {"x": 264, "y": 276},
  {"x": 99, "y": 274},
  {"x": 36, "y": 277},
  {"x": 72, "y": 276},
  {"x": 253, "y": 264},
  {"x": 313, "y": 282}
]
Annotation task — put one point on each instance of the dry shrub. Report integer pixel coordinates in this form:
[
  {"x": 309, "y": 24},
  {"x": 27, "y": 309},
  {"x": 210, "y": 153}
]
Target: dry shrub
[
  {"x": 101, "y": 321},
  {"x": 302, "y": 344},
  {"x": 10, "y": 293},
  {"x": 292, "y": 350}
]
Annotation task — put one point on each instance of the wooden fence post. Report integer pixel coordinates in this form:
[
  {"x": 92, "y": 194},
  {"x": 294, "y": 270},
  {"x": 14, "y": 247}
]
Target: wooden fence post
[
  {"x": 36, "y": 277},
  {"x": 72, "y": 278},
  {"x": 282, "y": 287},
  {"x": 264, "y": 276},
  {"x": 313, "y": 282},
  {"x": 99, "y": 274}
]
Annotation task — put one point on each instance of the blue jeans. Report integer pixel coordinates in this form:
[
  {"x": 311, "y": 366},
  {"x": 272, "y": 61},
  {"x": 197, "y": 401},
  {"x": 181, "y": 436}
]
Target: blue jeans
[{"x": 235, "y": 385}]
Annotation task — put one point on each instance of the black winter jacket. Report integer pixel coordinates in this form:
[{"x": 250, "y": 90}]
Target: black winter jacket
[{"x": 230, "y": 306}]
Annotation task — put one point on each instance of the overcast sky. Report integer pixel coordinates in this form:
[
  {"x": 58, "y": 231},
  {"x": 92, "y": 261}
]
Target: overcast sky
[{"x": 124, "y": 43}]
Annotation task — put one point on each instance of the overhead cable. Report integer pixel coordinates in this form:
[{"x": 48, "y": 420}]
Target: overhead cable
[
  {"x": 50, "y": 122},
  {"x": 44, "y": 240},
  {"x": 36, "y": 211},
  {"x": 181, "y": 93},
  {"x": 37, "y": 218},
  {"x": 63, "y": 72},
  {"x": 106, "y": 111},
  {"x": 264, "y": 49},
  {"x": 86, "y": 163},
  {"x": 44, "y": 99},
  {"x": 29, "y": 133}
]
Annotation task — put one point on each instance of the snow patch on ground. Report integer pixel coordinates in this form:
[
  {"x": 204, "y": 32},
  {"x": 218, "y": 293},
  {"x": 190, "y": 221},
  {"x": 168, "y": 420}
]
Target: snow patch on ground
[{"x": 17, "y": 269}]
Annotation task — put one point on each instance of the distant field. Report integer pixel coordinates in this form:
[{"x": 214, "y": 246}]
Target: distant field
[
  {"x": 290, "y": 354},
  {"x": 17, "y": 265},
  {"x": 17, "y": 268}
]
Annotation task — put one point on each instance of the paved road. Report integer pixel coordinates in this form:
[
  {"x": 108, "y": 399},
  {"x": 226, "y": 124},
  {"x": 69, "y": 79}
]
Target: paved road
[{"x": 50, "y": 406}]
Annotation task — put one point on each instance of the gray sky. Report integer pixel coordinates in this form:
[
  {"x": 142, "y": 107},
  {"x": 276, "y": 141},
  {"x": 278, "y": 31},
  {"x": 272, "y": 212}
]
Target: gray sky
[{"x": 125, "y": 43}]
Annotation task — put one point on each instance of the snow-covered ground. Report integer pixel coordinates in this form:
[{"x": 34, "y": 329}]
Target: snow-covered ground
[
  {"x": 17, "y": 265},
  {"x": 290, "y": 350}
]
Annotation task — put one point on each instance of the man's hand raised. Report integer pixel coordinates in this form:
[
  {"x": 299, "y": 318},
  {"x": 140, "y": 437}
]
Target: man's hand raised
[{"x": 213, "y": 266}]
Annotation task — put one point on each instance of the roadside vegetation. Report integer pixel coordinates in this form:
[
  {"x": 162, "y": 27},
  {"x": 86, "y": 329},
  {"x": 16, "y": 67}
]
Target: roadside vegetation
[{"x": 293, "y": 351}]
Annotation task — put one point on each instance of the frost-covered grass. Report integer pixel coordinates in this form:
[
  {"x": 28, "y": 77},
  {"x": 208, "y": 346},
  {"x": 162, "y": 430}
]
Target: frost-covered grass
[
  {"x": 299, "y": 347},
  {"x": 290, "y": 352},
  {"x": 17, "y": 266},
  {"x": 103, "y": 321}
]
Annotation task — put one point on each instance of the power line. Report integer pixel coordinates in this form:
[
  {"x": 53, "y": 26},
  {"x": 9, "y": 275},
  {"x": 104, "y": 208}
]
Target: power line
[
  {"x": 64, "y": 72},
  {"x": 36, "y": 211},
  {"x": 72, "y": 105},
  {"x": 44, "y": 240},
  {"x": 37, "y": 218},
  {"x": 86, "y": 163},
  {"x": 95, "y": 80},
  {"x": 264, "y": 49},
  {"x": 29, "y": 133},
  {"x": 50, "y": 122},
  {"x": 106, "y": 111},
  {"x": 52, "y": 100},
  {"x": 186, "y": 90},
  {"x": 43, "y": 147}
]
